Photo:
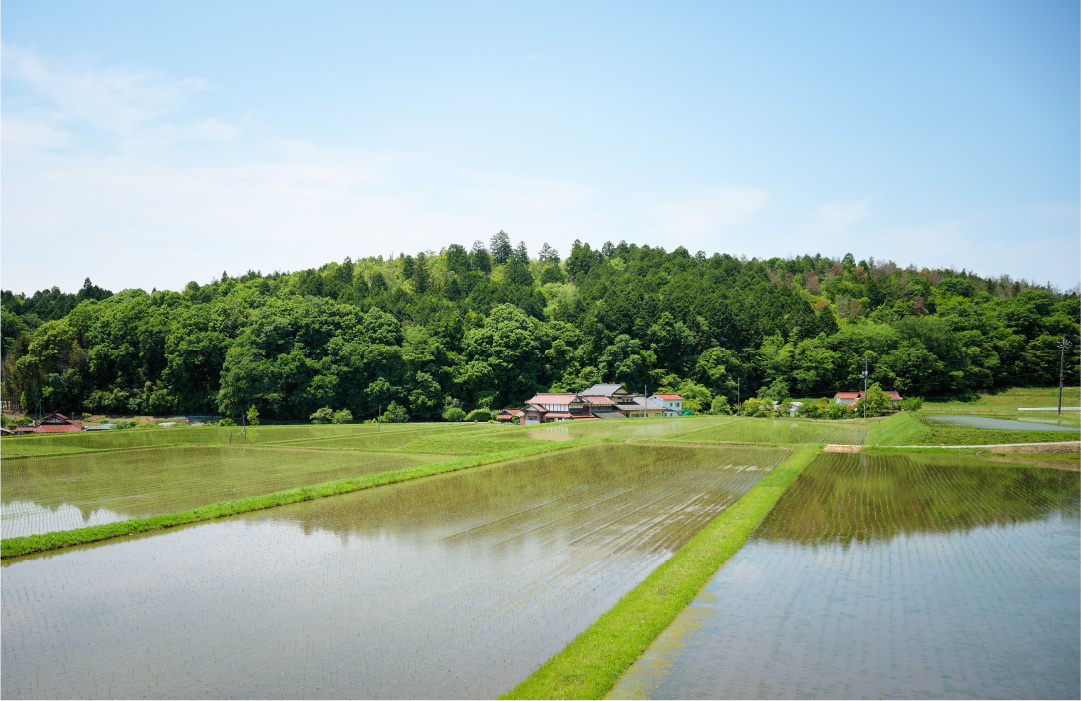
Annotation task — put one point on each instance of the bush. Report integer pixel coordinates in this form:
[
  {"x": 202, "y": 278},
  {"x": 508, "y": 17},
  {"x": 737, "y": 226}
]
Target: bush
[
  {"x": 911, "y": 403},
  {"x": 395, "y": 414},
  {"x": 454, "y": 414},
  {"x": 322, "y": 416},
  {"x": 342, "y": 417},
  {"x": 253, "y": 416},
  {"x": 479, "y": 415},
  {"x": 837, "y": 411},
  {"x": 720, "y": 406},
  {"x": 224, "y": 422}
]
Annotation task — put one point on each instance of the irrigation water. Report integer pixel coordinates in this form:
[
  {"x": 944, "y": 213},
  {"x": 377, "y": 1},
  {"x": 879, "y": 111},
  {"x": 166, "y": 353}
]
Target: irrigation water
[
  {"x": 453, "y": 586},
  {"x": 889, "y": 576},
  {"x": 1021, "y": 424}
]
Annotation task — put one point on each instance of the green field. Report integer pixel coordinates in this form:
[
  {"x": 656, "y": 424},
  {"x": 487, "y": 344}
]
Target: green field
[
  {"x": 782, "y": 432},
  {"x": 52, "y": 444},
  {"x": 917, "y": 428},
  {"x": 1008, "y": 402}
]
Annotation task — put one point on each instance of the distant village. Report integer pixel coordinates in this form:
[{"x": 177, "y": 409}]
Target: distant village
[
  {"x": 613, "y": 401},
  {"x": 601, "y": 401}
]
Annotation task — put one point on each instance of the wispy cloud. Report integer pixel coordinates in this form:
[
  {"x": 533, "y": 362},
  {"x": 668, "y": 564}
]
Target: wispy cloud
[
  {"x": 120, "y": 100},
  {"x": 697, "y": 216},
  {"x": 836, "y": 218}
]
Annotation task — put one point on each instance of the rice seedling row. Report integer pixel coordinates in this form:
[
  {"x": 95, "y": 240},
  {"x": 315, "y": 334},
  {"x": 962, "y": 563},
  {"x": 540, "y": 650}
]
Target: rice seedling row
[
  {"x": 782, "y": 432},
  {"x": 42, "y": 495},
  {"x": 200, "y": 435},
  {"x": 885, "y": 575},
  {"x": 452, "y": 586}
]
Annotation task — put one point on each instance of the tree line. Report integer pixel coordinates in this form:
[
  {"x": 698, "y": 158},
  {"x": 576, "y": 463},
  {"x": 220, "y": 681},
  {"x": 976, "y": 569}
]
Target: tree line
[{"x": 487, "y": 326}]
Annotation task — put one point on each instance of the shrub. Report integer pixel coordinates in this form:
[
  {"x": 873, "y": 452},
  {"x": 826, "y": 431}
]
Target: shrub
[
  {"x": 454, "y": 414},
  {"x": 395, "y": 414},
  {"x": 911, "y": 403},
  {"x": 720, "y": 406},
  {"x": 837, "y": 411},
  {"x": 224, "y": 422},
  {"x": 342, "y": 417},
  {"x": 253, "y": 416},
  {"x": 322, "y": 416},
  {"x": 479, "y": 415}
]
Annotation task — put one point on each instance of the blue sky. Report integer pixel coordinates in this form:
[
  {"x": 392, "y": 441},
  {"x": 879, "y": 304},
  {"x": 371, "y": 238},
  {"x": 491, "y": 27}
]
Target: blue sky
[{"x": 146, "y": 144}]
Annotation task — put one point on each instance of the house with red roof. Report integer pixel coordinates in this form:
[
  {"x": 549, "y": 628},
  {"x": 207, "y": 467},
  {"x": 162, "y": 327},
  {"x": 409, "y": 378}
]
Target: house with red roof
[
  {"x": 852, "y": 397},
  {"x": 52, "y": 423},
  {"x": 672, "y": 403}
]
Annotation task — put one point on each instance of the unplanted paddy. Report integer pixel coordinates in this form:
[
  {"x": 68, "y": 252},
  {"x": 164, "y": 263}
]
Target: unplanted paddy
[
  {"x": 452, "y": 586},
  {"x": 889, "y": 576}
]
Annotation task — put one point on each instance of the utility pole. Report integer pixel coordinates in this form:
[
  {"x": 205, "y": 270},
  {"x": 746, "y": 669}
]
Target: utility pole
[
  {"x": 645, "y": 400},
  {"x": 737, "y": 395},
  {"x": 378, "y": 418},
  {"x": 1063, "y": 345},
  {"x": 865, "y": 385}
]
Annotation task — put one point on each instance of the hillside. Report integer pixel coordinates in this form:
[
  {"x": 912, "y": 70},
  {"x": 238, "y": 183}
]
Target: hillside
[{"x": 488, "y": 327}]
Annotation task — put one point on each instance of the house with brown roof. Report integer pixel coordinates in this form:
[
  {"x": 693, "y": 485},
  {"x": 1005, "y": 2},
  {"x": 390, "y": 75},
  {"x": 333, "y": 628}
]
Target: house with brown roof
[{"x": 560, "y": 406}]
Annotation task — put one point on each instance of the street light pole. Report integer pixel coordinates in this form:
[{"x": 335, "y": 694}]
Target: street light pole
[
  {"x": 1063, "y": 345},
  {"x": 865, "y": 385}
]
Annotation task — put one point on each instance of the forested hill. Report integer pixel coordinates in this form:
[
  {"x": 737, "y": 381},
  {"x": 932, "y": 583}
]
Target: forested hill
[{"x": 488, "y": 327}]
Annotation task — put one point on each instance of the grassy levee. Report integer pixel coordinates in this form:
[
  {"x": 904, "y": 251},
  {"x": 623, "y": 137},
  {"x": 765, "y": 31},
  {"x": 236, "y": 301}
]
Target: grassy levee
[
  {"x": 1006, "y": 402},
  {"x": 590, "y": 665},
  {"x": 906, "y": 428},
  {"x": 26, "y": 545}
]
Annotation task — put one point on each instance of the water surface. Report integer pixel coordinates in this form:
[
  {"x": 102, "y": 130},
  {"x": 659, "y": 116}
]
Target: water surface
[
  {"x": 448, "y": 587},
  {"x": 889, "y": 576}
]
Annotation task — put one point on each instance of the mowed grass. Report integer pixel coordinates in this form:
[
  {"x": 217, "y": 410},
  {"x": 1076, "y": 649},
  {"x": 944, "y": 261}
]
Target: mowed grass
[
  {"x": 116, "y": 485},
  {"x": 782, "y": 432},
  {"x": 1008, "y": 402},
  {"x": 913, "y": 428},
  {"x": 590, "y": 665}
]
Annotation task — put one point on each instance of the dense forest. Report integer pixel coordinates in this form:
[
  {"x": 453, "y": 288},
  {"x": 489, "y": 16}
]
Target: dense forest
[{"x": 487, "y": 327}]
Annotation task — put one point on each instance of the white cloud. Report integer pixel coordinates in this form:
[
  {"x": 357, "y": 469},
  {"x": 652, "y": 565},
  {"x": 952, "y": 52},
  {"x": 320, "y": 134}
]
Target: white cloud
[
  {"x": 118, "y": 100},
  {"x": 835, "y": 218},
  {"x": 30, "y": 133},
  {"x": 694, "y": 217}
]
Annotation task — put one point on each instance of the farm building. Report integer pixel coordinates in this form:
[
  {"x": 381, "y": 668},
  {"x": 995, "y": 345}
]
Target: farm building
[
  {"x": 673, "y": 403},
  {"x": 52, "y": 423},
  {"x": 853, "y": 397}
]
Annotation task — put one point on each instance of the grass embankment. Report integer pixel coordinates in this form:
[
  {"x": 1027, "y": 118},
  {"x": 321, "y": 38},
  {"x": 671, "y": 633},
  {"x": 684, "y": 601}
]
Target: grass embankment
[
  {"x": 1006, "y": 403},
  {"x": 590, "y": 665},
  {"x": 15, "y": 547},
  {"x": 908, "y": 428}
]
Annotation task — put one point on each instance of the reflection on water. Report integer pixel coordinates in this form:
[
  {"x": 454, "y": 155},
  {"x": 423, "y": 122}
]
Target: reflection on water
[
  {"x": 881, "y": 576},
  {"x": 1068, "y": 426},
  {"x": 41, "y": 495},
  {"x": 447, "y": 587}
]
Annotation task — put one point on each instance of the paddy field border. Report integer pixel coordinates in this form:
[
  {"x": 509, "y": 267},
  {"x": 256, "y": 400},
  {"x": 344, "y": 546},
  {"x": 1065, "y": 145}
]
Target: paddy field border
[
  {"x": 590, "y": 665},
  {"x": 55, "y": 540}
]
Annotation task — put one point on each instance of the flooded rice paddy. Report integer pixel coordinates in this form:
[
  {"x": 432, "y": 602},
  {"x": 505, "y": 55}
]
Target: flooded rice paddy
[
  {"x": 782, "y": 432},
  {"x": 1068, "y": 425},
  {"x": 889, "y": 576},
  {"x": 452, "y": 586},
  {"x": 41, "y": 495}
]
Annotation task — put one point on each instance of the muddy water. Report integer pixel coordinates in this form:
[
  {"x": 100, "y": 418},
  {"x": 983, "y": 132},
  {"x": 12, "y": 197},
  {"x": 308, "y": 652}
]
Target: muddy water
[
  {"x": 449, "y": 587},
  {"x": 889, "y": 576}
]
